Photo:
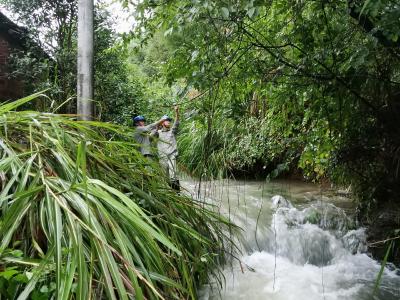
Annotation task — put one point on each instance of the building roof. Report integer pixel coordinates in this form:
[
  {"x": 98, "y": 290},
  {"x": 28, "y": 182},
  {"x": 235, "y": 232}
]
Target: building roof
[
  {"x": 16, "y": 33},
  {"x": 19, "y": 35}
]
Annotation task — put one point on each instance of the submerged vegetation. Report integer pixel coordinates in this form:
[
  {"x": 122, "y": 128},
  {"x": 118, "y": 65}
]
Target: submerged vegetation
[{"x": 84, "y": 215}]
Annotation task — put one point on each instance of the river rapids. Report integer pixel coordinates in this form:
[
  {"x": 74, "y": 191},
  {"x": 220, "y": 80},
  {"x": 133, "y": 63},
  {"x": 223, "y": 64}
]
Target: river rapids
[{"x": 297, "y": 242}]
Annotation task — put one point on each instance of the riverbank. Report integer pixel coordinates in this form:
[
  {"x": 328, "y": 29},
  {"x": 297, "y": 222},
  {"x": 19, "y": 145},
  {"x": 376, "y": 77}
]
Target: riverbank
[{"x": 383, "y": 232}]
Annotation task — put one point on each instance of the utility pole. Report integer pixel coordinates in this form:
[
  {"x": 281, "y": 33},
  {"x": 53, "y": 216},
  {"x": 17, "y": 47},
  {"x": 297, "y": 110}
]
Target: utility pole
[{"x": 85, "y": 60}]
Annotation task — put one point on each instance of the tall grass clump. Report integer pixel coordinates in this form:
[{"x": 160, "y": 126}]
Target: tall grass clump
[
  {"x": 84, "y": 216},
  {"x": 219, "y": 146},
  {"x": 203, "y": 149}
]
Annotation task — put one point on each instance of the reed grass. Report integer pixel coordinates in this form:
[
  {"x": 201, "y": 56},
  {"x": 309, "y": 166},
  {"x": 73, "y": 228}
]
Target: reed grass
[{"x": 89, "y": 213}]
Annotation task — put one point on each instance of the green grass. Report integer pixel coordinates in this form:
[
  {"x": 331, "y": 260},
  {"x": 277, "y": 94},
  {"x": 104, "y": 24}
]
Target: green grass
[{"x": 90, "y": 216}]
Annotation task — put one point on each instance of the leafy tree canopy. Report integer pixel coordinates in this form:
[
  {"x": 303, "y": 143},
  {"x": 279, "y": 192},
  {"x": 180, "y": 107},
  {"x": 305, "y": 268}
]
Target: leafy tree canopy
[{"x": 286, "y": 84}]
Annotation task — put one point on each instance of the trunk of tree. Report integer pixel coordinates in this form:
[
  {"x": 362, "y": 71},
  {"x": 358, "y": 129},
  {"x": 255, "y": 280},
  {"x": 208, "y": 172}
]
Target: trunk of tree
[{"x": 85, "y": 60}]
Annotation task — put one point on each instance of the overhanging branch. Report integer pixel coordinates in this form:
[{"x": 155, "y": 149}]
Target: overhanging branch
[{"x": 366, "y": 23}]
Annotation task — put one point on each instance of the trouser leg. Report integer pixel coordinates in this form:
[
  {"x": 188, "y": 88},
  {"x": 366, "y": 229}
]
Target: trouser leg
[
  {"x": 172, "y": 174},
  {"x": 164, "y": 165},
  {"x": 169, "y": 166},
  {"x": 172, "y": 167}
]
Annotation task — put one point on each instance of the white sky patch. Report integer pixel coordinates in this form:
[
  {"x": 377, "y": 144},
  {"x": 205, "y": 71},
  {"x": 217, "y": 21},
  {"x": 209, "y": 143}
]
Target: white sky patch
[
  {"x": 123, "y": 20},
  {"x": 122, "y": 17},
  {"x": 9, "y": 15}
]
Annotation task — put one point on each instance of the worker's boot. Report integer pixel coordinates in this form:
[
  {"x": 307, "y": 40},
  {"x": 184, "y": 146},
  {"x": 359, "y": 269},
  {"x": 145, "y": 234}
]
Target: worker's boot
[{"x": 176, "y": 185}]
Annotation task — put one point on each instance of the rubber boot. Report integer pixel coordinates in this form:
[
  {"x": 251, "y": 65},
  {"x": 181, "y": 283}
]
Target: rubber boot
[{"x": 176, "y": 185}]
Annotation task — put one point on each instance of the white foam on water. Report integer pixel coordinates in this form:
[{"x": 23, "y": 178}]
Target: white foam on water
[
  {"x": 318, "y": 251},
  {"x": 321, "y": 260},
  {"x": 343, "y": 280}
]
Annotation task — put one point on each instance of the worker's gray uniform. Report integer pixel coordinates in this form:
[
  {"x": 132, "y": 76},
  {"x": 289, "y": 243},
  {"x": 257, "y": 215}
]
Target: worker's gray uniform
[
  {"x": 167, "y": 149},
  {"x": 142, "y": 137}
]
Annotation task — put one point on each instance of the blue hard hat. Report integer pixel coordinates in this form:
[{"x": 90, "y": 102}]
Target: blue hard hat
[{"x": 138, "y": 119}]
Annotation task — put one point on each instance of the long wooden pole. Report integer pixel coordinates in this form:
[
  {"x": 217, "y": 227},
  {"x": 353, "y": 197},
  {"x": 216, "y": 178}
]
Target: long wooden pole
[{"x": 85, "y": 60}]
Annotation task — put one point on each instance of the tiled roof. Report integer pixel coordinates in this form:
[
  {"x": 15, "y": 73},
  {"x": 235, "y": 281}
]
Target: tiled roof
[
  {"x": 20, "y": 36},
  {"x": 17, "y": 33}
]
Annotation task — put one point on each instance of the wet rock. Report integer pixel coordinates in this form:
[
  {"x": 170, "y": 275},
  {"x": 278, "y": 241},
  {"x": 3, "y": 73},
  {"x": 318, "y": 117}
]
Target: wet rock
[
  {"x": 384, "y": 224},
  {"x": 279, "y": 201},
  {"x": 355, "y": 241},
  {"x": 328, "y": 216}
]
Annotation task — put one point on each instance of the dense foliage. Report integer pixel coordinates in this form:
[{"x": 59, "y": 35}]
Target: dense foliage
[
  {"x": 311, "y": 83},
  {"x": 118, "y": 93},
  {"x": 147, "y": 65}
]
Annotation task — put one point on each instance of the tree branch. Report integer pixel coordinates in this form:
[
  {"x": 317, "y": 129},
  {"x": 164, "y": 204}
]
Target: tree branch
[{"x": 369, "y": 27}]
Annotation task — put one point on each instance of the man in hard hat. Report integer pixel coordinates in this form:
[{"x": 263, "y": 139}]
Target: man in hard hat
[
  {"x": 142, "y": 133},
  {"x": 167, "y": 147}
]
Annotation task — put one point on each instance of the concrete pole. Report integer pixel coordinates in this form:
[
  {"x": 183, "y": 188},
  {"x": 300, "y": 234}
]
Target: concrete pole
[{"x": 85, "y": 60}]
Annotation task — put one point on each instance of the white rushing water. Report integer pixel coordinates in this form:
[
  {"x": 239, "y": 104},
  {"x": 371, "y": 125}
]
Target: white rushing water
[{"x": 301, "y": 245}]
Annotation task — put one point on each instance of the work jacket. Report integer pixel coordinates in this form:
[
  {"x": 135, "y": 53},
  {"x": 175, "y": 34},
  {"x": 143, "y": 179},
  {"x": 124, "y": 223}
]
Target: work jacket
[
  {"x": 142, "y": 137},
  {"x": 166, "y": 145}
]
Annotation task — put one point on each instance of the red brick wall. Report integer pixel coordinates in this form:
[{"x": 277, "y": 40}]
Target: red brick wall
[{"x": 10, "y": 89}]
